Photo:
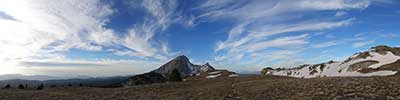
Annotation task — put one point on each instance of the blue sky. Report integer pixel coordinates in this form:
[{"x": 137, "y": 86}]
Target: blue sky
[{"x": 116, "y": 37}]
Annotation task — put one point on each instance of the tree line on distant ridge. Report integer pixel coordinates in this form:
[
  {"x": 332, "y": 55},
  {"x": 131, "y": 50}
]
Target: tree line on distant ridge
[{"x": 38, "y": 87}]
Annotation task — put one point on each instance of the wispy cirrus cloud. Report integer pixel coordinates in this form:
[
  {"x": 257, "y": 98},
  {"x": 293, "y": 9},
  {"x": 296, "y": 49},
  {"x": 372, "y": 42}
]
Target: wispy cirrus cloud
[
  {"x": 264, "y": 25},
  {"x": 363, "y": 43},
  {"x": 41, "y": 29},
  {"x": 61, "y": 26},
  {"x": 55, "y": 26},
  {"x": 340, "y": 13},
  {"x": 325, "y": 44},
  {"x": 260, "y": 32},
  {"x": 250, "y": 10},
  {"x": 282, "y": 42},
  {"x": 140, "y": 37}
]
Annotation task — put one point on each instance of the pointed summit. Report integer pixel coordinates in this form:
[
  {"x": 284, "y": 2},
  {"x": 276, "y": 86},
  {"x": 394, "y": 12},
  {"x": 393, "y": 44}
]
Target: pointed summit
[{"x": 182, "y": 58}]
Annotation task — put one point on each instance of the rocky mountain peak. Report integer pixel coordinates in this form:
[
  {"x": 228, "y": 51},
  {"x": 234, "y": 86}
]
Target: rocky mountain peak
[
  {"x": 180, "y": 63},
  {"x": 206, "y": 67},
  {"x": 183, "y": 65}
]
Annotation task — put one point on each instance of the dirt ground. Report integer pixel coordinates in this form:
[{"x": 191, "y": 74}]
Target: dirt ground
[{"x": 251, "y": 87}]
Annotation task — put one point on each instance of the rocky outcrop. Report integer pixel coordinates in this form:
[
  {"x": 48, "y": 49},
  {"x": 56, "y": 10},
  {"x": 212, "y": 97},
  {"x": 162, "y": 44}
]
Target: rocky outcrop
[
  {"x": 361, "y": 65},
  {"x": 382, "y": 49},
  {"x": 265, "y": 71},
  {"x": 395, "y": 66},
  {"x": 392, "y": 66}
]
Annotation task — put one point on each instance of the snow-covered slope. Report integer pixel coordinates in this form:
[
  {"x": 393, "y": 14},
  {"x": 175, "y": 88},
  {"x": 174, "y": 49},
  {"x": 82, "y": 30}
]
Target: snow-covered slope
[{"x": 378, "y": 61}]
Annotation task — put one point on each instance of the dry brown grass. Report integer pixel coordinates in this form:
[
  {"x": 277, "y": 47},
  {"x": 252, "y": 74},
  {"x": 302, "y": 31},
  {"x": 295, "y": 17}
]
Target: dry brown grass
[{"x": 243, "y": 87}]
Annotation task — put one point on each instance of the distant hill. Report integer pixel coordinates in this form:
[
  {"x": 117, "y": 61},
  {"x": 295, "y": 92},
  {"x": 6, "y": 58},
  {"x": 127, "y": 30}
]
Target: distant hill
[
  {"x": 93, "y": 82},
  {"x": 38, "y": 77},
  {"x": 27, "y": 77},
  {"x": 377, "y": 61}
]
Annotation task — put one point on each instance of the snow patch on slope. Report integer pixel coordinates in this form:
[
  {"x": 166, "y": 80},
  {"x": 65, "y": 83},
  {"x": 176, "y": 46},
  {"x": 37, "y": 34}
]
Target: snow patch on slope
[
  {"x": 216, "y": 72},
  {"x": 233, "y": 75},
  {"x": 213, "y": 76}
]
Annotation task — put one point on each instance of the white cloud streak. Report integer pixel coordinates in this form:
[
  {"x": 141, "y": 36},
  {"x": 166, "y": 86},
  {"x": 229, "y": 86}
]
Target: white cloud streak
[
  {"x": 325, "y": 44},
  {"x": 140, "y": 36},
  {"x": 362, "y": 43},
  {"x": 283, "y": 42},
  {"x": 250, "y": 10},
  {"x": 38, "y": 29},
  {"x": 340, "y": 13},
  {"x": 264, "y": 25}
]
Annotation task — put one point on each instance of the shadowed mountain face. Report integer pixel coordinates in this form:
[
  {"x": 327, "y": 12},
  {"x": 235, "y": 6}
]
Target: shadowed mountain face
[
  {"x": 180, "y": 63},
  {"x": 183, "y": 65},
  {"x": 146, "y": 78},
  {"x": 377, "y": 61}
]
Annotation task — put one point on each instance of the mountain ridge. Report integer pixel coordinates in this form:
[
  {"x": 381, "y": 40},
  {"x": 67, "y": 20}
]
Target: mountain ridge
[{"x": 39, "y": 77}]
